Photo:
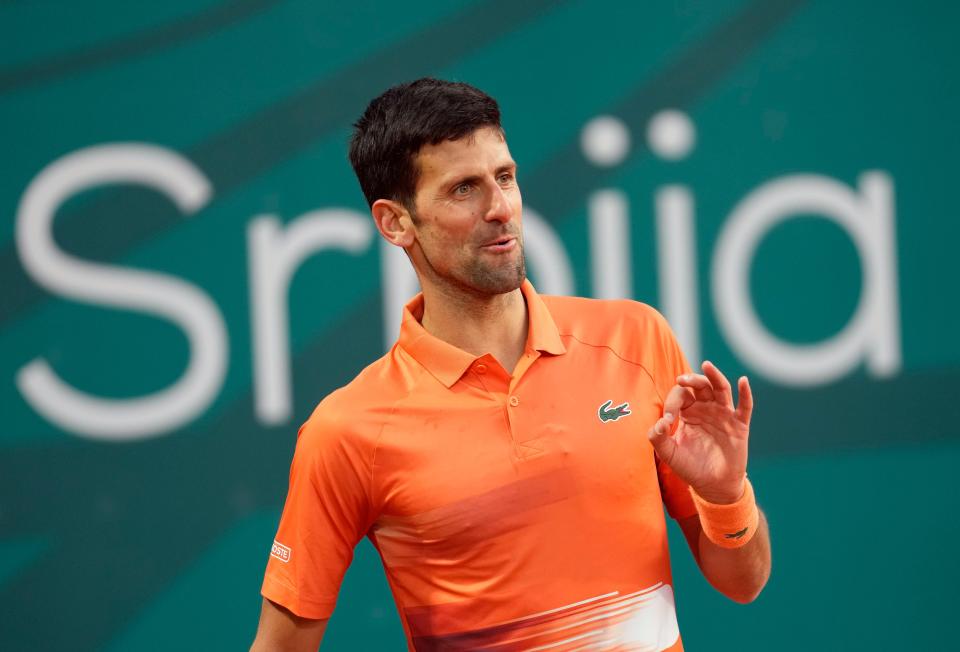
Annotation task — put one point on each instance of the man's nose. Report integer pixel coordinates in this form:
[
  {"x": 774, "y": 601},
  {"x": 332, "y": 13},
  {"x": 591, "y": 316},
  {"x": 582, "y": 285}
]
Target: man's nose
[{"x": 500, "y": 209}]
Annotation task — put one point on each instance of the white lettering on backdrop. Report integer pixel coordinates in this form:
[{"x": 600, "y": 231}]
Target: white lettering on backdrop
[
  {"x": 161, "y": 295},
  {"x": 275, "y": 252}
]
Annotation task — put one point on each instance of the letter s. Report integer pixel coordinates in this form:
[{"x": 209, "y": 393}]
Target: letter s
[{"x": 107, "y": 285}]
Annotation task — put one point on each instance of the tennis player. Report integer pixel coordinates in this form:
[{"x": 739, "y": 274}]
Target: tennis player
[{"x": 511, "y": 457}]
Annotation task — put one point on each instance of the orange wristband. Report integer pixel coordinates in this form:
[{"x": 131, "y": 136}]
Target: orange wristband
[{"x": 729, "y": 526}]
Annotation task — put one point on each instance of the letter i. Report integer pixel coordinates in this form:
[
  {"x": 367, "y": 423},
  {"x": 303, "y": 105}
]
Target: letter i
[
  {"x": 671, "y": 135},
  {"x": 605, "y": 141}
]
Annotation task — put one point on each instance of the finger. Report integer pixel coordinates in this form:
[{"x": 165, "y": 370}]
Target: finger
[
  {"x": 659, "y": 436},
  {"x": 700, "y": 385},
  {"x": 719, "y": 382},
  {"x": 745, "y": 400},
  {"x": 678, "y": 398}
]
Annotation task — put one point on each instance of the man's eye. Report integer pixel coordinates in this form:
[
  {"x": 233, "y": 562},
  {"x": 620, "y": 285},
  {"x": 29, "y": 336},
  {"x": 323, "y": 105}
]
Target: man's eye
[
  {"x": 506, "y": 177},
  {"x": 462, "y": 189}
]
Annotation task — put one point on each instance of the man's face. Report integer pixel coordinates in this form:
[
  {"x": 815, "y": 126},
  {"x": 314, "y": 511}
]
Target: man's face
[{"x": 467, "y": 217}]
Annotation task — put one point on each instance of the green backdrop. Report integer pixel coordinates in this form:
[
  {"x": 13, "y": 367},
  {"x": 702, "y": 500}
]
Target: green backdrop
[{"x": 152, "y": 533}]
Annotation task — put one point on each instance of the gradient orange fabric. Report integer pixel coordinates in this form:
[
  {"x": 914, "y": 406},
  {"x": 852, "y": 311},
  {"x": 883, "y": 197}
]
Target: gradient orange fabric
[{"x": 510, "y": 511}]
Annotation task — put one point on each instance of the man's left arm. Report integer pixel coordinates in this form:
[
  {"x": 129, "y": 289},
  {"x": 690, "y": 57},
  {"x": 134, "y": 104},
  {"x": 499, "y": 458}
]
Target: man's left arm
[
  {"x": 703, "y": 438},
  {"x": 738, "y": 573}
]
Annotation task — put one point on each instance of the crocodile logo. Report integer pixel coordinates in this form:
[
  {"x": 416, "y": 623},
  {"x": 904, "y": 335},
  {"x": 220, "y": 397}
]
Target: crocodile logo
[
  {"x": 607, "y": 413},
  {"x": 736, "y": 535}
]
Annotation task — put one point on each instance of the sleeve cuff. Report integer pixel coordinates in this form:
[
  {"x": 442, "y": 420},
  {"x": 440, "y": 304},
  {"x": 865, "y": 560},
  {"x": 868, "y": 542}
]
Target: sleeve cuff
[{"x": 278, "y": 591}]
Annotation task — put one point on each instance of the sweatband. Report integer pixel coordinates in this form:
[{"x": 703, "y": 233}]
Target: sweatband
[{"x": 729, "y": 526}]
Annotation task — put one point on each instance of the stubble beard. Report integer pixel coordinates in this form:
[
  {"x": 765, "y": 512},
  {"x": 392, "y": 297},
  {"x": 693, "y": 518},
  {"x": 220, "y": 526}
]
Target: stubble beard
[
  {"x": 488, "y": 279},
  {"x": 477, "y": 277},
  {"x": 480, "y": 278}
]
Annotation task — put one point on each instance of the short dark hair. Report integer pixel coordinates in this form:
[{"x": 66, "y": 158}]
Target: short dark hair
[{"x": 403, "y": 119}]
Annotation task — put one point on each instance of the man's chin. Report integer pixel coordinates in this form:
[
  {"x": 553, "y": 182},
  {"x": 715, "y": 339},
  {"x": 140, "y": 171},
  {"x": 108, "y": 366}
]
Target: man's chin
[
  {"x": 477, "y": 278},
  {"x": 491, "y": 282}
]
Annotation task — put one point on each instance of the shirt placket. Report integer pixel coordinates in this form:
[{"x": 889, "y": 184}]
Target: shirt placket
[
  {"x": 519, "y": 410},
  {"x": 508, "y": 392}
]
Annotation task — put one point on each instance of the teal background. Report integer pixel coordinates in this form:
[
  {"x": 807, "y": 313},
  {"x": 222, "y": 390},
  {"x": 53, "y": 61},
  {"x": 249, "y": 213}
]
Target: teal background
[{"x": 160, "y": 544}]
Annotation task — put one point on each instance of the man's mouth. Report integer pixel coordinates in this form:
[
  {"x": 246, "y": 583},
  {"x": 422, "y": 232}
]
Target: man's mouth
[{"x": 501, "y": 244}]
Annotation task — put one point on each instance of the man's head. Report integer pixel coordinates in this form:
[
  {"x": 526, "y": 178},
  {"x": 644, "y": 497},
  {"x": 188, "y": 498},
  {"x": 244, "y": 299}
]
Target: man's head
[
  {"x": 435, "y": 168},
  {"x": 390, "y": 133}
]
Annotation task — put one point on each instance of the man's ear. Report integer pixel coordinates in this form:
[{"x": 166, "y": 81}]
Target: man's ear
[{"x": 393, "y": 222}]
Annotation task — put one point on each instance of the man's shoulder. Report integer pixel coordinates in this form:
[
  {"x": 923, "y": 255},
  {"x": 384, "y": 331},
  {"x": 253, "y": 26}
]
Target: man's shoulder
[
  {"x": 356, "y": 410},
  {"x": 603, "y": 320},
  {"x": 634, "y": 331}
]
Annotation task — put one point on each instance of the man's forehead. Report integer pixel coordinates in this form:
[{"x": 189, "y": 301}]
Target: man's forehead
[{"x": 478, "y": 150}]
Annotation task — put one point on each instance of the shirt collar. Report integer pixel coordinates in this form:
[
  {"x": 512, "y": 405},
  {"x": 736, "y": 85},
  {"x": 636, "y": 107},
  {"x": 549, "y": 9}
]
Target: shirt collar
[{"x": 447, "y": 363}]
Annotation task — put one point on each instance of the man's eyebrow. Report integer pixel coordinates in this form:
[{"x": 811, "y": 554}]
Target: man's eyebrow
[
  {"x": 456, "y": 181},
  {"x": 474, "y": 178}
]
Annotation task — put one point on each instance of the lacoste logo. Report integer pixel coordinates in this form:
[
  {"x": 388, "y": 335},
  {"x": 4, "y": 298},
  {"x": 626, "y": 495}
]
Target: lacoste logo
[
  {"x": 607, "y": 413},
  {"x": 280, "y": 551},
  {"x": 736, "y": 535}
]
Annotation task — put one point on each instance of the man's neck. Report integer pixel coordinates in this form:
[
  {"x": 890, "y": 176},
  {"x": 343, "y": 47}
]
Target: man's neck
[{"x": 495, "y": 324}]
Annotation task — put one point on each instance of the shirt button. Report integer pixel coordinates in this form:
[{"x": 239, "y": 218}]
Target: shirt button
[
  {"x": 514, "y": 401},
  {"x": 480, "y": 368}
]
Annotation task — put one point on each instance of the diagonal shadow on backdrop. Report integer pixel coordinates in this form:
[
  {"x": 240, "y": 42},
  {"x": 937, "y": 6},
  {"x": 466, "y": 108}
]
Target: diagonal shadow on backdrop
[
  {"x": 564, "y": 180},
  {"x": 135, "y": 45},
  {"x": 249, "y": 149},
  {"x": 161, "y": 495}
]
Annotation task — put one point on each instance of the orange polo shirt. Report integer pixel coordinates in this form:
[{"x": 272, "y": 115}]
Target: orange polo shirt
[{"x": 510, "y": 511}]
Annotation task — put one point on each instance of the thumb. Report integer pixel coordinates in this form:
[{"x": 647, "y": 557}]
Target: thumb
[
  {"x": 659, "y": 436},
  {"x": 678, "y": 399}
]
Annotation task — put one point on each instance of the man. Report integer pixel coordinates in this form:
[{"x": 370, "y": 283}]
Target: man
[{"x": 510, "y": 456}]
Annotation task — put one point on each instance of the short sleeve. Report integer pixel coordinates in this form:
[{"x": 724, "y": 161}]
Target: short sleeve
[
  {"x": 326, "y": 513},
  {"x": 669, "y": 363}
]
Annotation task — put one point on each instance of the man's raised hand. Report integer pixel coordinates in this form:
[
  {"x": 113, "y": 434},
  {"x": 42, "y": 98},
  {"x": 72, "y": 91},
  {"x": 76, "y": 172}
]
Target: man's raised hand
[{"x": 708, "y": 449}]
